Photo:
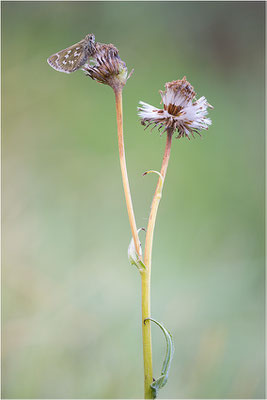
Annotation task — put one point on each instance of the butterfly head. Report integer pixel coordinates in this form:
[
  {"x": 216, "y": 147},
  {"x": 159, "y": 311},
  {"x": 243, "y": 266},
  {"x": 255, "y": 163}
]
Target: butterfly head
[{"x": 90, "y": 38}]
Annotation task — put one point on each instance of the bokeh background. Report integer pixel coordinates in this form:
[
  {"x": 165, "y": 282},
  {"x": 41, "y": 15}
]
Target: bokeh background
[{"x": 71, "y": 302}]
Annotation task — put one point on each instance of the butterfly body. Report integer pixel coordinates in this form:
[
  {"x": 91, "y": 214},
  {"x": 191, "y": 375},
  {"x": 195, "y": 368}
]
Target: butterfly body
[{"x": 74, "y": 57}]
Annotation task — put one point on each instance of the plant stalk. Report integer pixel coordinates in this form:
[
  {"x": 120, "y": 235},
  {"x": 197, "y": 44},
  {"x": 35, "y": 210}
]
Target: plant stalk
[
  {"x": 126, "y": 186},
  {"x": 146, "y": 275}
]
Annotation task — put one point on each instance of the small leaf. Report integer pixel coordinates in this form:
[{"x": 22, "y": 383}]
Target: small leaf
[
  {"x": 159, "y": 174},
  {"x": 134, "y": 257},
  {"x": 162, "y": 380}
]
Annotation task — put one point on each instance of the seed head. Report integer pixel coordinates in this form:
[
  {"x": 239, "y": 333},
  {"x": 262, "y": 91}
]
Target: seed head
[
  {"x": 181, "y": 111},
  {"x": 107, "y": 67}
]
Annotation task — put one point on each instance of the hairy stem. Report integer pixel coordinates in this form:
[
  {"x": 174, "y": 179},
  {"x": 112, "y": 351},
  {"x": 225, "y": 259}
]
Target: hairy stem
[
  {"x": 146, "y": 275},
  {"x": 129, "y": 204}
]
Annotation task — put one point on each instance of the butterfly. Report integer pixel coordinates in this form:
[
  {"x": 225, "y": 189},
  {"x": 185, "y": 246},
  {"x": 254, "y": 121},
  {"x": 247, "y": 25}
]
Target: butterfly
[{"x": 75, "y": 56}]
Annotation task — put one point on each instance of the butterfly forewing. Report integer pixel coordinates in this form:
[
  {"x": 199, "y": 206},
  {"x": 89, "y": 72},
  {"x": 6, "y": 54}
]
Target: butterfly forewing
[{"x": 69, "y": 59}]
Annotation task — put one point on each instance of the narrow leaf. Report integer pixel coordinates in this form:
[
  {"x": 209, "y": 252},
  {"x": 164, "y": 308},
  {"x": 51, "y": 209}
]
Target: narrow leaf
[
  {"x": 134, "y": 257},
  {"x": 162, "y": 380},
  {"x": 159, "y": 174}
]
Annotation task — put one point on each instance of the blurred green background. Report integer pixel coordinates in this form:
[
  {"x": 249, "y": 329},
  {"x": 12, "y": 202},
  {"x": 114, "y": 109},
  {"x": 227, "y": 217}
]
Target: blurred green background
[{"x": 71, "y": 303}]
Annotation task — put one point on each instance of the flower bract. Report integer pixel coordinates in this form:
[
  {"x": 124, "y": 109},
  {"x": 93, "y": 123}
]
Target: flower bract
[{"x": 107, "y": 67}]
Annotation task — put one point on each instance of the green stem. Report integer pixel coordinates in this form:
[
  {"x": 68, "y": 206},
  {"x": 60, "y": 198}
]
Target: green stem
[{"x": 146, "y": 275}]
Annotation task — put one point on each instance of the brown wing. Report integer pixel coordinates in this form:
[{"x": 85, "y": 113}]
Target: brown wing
[{"x": 69, "y": 59}]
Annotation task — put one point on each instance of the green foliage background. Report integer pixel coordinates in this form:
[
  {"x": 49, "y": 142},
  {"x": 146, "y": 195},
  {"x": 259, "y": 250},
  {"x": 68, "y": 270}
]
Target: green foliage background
[{"x": 71, "y": 303}]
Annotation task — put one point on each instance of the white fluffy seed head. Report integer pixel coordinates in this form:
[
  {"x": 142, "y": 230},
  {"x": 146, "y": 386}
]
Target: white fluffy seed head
[{"x": 181, "y": 111}]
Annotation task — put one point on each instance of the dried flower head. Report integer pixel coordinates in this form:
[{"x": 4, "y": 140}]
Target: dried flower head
[
  {"x": 107, "y": 67},
  {"x": 181, "y": 111}
]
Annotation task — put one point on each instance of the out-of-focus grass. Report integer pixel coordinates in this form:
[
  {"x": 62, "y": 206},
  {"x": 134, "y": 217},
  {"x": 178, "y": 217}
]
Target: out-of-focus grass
[{"x": 71, "y": 304}]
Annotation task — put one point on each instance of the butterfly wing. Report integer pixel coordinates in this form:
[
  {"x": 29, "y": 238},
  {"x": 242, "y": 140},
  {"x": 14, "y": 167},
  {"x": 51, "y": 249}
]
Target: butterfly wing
[{"x": 69, "y": 59}]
